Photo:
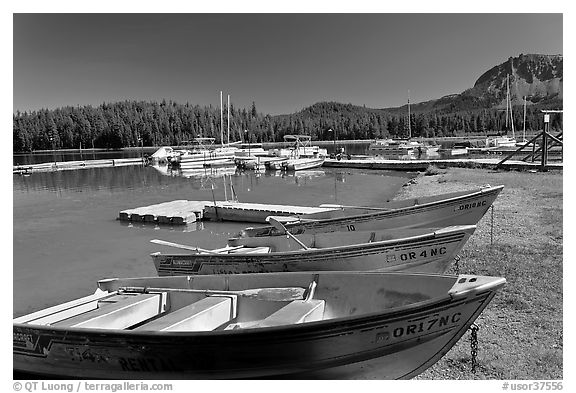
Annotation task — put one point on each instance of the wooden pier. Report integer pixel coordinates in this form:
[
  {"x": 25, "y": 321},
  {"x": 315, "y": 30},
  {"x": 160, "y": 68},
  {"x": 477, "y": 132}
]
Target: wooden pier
[
  {"x": 256, "y": 212},
  {"x": 71, "y": 165},
  {"x": 182, "y": 212},
  {"x": 422, "y": 165}
]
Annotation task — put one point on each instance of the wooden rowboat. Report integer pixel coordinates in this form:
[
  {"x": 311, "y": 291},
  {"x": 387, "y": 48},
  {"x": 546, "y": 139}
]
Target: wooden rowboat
[
  {"x": 459, "y": 208},
  {"x": 414, "y": 250},
  {"x": 327, "y": 324}
]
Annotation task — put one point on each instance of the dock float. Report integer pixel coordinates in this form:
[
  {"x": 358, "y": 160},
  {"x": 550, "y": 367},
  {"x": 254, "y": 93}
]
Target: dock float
[
  {"x": 257, "y": 212},
  {"x": 422, "y": 165},
  {"x": 179, "y": 212},
  {"x": 182, "y": 212},
  {"x": 71, "y": 165}
]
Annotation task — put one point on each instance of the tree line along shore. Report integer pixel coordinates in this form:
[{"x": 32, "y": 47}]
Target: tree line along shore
[{"x": 136, "y": 123}]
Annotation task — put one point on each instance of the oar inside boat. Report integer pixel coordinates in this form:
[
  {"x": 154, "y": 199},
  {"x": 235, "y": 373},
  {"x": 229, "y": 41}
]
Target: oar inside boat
[
  {"x": 282, "y": 229},
  {"x": 194, "y": 248}
]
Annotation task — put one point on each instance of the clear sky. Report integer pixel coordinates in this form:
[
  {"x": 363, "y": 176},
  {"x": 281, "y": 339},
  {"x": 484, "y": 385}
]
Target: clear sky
[{"x": 282, "y": 62}]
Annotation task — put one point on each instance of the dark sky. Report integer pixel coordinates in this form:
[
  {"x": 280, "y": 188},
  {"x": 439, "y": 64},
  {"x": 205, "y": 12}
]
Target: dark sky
[{"x": 282, "y": 62}]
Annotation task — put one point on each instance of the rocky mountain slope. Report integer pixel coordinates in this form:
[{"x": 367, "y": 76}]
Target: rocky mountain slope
[{"x": 538, "y": 77}]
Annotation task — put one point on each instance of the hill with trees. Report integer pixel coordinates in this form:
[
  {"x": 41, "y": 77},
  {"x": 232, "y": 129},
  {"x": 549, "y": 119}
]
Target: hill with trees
[{"x": 477, "y": 110}]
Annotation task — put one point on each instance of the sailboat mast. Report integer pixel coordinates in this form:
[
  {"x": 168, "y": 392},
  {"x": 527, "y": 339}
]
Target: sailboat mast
[
  {"x": 221, "y": 122},
  {"x": 511, "y": 117},
  {"x": 507, "y": 100},
  {"x": 228, "y": 119},
  {"x": 409, "y": 129},
  {"x": 524, "y": 131}
]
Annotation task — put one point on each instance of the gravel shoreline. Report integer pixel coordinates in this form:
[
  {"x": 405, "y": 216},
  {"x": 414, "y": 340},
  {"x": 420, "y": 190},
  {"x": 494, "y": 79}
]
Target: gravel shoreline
[{"x": 520, "y": 335}]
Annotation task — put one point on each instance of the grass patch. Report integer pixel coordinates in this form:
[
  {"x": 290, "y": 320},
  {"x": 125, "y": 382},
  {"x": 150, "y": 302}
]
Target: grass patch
[
  {"x": 433, "y": 170},
  {"x": 520, "y": 334}
]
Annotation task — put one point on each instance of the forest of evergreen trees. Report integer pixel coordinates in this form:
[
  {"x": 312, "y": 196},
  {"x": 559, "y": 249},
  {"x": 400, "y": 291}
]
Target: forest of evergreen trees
[{"x": 121, "y": 124}]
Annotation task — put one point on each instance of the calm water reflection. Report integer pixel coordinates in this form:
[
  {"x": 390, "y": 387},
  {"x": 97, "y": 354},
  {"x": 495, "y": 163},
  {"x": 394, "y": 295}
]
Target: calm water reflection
[{"x": 66, "y": 235}]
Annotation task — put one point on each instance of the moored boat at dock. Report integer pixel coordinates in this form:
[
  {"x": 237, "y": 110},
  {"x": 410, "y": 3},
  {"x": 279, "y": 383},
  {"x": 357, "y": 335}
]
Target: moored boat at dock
[
  {"x": 161, "y": 155},
  {"x": 250, "y": 156},
  {"x": 203, "y": 153},
  {"x": 275, "y": 163},
  {"x": 502, "y": 140},
  {"x": 300, "y": 164},
  {"x": 327, "y": 324},
  {"x": 301, "y": 156},
  {"x": 415, "y": 250},
  {"x": 458, "y": 149}
]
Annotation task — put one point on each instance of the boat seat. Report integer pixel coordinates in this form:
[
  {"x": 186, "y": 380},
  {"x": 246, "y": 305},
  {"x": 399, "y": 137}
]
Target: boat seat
[
  {"x": 252, "y": 250},
  {"x": 64, "y": 311},
  {"x": 204, "y": 315},
  {"x": 119, "y": 312},
  {"x": 297, "y": 311}
]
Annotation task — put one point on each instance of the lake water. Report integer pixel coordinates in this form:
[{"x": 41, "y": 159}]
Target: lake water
[{"x": 66, "y": 236}]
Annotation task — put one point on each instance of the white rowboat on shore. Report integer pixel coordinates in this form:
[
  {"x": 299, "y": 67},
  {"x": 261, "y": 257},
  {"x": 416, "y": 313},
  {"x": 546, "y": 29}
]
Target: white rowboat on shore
[
  {"x": 415, "y": 250},
  {"x": 304, "y": 325},
  {"x": 458, "y": 208}
]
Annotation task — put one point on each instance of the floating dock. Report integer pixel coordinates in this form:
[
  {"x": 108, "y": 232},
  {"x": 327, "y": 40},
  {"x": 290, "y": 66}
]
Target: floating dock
[
  {"x": 179, "y": 212},
  {"x": 257, "y": 212},
  {"x": 422, "y": 165},
  {"x": 182, "y": 212},
  {"x": 70, "y": 165}
]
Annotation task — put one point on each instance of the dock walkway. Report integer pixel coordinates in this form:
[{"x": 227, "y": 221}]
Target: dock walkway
[
  {"x": 182, "y": 212},
  {"x": 255, "y": 212},
  {"x": 70, "y": 165},
  {"x": 422, "y": 165}
]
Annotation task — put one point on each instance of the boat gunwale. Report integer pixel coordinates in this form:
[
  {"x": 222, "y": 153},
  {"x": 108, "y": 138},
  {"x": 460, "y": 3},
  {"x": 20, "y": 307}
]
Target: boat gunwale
[
  {"x": 320, "y": 222},
  {"x": 342, "y": 324},
  {"x": 418, "y": 206},
  {"x": 446, "y": 232},
  {"x": 446, "y": 300},
  {"x": 295, "y": 368}
]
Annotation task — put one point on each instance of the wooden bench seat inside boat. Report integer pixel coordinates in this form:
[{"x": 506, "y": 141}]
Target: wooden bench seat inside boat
[
  {"x": 119, "y": 312},
  {"x": 203, "y": 315},
  {"x": 297, "y": 311}
]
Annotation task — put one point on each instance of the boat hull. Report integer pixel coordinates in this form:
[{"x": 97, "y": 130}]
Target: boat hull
[
  {"x": 303, "y": 164},
  {"x": 453, "y": 152},
  {"x": 501, "y": 141},
  {"x": 203, "y": 159},
  {"x": 432, "y": 253},
  {"x": 466, "y": 209},
  {"x": 275, "y": 164},
  {"x": 398, "y": 343}
]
